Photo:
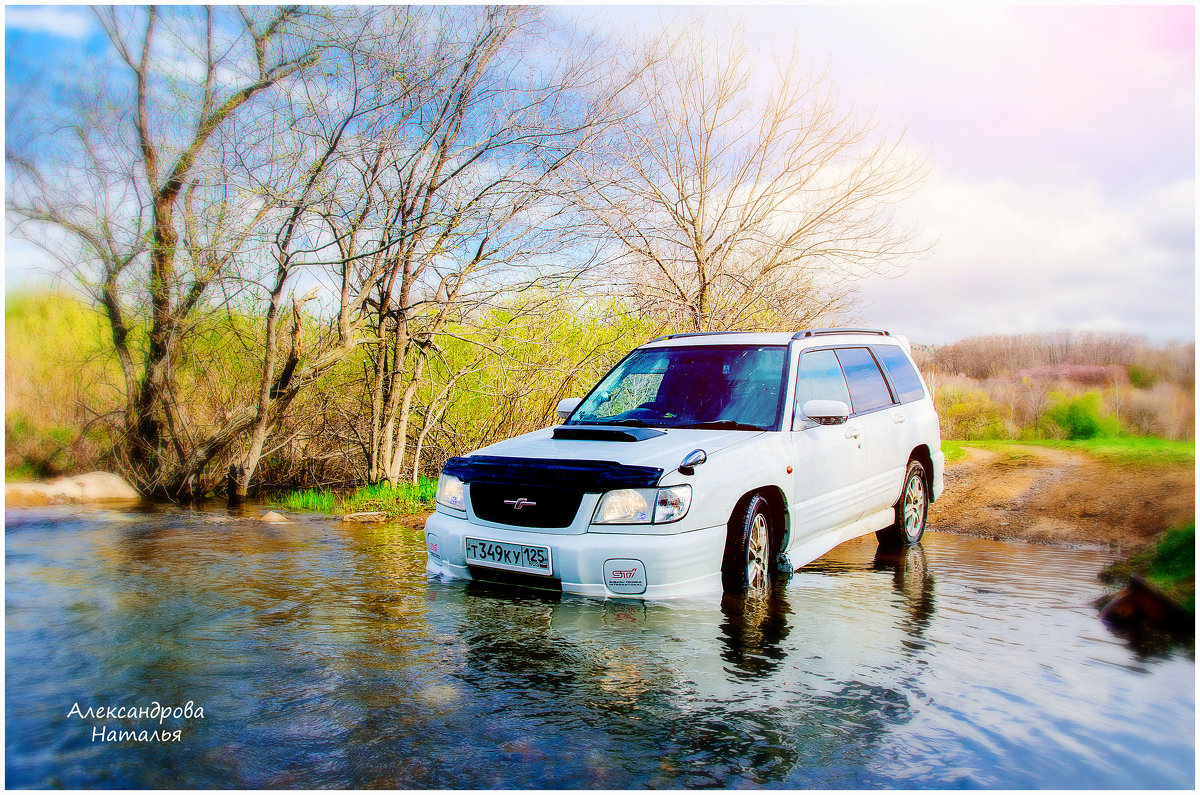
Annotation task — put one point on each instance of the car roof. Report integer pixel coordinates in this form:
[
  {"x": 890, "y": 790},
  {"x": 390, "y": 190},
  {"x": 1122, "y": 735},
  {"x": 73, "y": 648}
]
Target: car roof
[{"x": 806, "y": 337}]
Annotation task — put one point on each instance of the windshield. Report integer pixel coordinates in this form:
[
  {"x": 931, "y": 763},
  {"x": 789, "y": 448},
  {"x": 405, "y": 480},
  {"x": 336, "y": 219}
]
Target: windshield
[{"x": 731, "y": 386}]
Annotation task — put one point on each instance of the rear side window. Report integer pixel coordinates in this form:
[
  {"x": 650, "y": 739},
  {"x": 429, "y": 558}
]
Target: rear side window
[
  {"x": 868, "y": 389},
  {"x": 901, "y": 371}
]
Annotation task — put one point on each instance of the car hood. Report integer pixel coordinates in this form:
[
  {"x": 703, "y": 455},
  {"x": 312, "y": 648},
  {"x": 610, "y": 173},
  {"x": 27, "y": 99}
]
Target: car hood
[{"x": 665, "y": 451}]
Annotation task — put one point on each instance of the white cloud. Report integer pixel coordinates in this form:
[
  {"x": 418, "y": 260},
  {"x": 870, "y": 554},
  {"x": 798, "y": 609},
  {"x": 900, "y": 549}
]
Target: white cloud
[
  {"x": 70, "y": 22},
  {"x": 1012, "y": 257}
]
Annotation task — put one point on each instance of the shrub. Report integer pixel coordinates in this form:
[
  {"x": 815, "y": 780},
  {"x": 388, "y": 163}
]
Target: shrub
[
  {"x": 969, "y": 415},
  {"x": 1081, "y": 417},
  {"x": 1142, "y": 377}
]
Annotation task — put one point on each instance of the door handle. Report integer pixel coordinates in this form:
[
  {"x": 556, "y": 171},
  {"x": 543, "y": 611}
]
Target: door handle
[
  {"x": 898, "y": 418},
  {"x": 852, "y": 433}
]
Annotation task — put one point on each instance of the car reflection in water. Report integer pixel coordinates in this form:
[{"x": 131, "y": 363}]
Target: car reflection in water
[{"x": 781, "y": 689}]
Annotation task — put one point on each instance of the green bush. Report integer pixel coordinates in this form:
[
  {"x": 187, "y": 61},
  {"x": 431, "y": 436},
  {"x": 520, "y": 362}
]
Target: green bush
[
  {"x": 969, "y": 415},
  {"x": 1142, "y": 377},
  {"x": 1082, "y": 416},
  {"x": 36, "y": 452}
]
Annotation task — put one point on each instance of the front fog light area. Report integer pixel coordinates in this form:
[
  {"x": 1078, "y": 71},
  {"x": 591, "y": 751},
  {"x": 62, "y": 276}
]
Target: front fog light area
[
  {"x": 450, "y": 493},
  {"x": 643, "y": 506}
]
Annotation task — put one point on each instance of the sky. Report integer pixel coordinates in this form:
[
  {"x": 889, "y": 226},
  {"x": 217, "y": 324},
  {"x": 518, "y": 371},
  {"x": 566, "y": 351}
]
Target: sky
[
  {"x": 1060, "y": 142},
  {"x": 1061, "y": 151}
]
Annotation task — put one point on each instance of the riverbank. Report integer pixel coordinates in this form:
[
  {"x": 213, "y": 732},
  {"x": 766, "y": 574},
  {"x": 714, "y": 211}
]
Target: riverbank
[{"x": 1060, "y": 496}]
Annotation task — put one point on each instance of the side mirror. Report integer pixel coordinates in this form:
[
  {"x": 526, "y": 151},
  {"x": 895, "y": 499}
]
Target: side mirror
[
  {"x": 568, "y": 405},
  {"x": 692, "y": 460},
  {"x": 826, "y": 412}
]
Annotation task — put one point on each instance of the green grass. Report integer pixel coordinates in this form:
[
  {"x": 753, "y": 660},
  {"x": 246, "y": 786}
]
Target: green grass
[
  {"x": 398, "y": 500},
  {"x": 1135, "y": 450},
  {"x": 1123, "y": 450},
  {"x": 21, "y": 472},
  {"x": 1170, "y": 566},
  {"x": 956, "y": 451},
  {"x": 953, "y": 451},
  {"x": 310, "y": 500},
  {"x": 404, "y": 498}
]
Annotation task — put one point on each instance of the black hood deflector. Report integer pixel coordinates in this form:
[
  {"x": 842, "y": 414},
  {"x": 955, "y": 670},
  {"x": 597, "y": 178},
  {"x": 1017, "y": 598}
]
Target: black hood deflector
[{"x": 592, "y": 476}]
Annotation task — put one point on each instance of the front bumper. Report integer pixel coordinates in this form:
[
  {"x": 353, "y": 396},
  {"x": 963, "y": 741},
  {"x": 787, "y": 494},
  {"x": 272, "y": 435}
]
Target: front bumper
[{"x": 672, "y": 565}]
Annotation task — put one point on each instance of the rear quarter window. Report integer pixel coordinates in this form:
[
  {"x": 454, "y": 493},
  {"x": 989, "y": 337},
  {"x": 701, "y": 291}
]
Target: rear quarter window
[{"x": 904, "y": 376}]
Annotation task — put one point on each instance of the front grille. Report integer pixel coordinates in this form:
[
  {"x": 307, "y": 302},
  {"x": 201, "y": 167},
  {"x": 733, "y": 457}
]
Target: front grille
[{"x": 525, "y": 506}]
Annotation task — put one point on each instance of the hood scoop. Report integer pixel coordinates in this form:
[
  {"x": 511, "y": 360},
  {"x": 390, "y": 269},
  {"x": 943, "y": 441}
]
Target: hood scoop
[{"x": 606, "y": 433}]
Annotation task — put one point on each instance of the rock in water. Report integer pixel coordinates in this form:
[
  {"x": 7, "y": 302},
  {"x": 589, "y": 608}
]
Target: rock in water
[
  {"x": 365, "y": 516},
  {"x": 1142, "y": 603},
  {"x": 90, "y": 487},
  {"x": 102, "y": 486}
]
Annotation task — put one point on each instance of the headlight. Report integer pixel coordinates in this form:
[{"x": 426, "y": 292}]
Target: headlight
[
  {"x": 450, "y": 492},
  {"x": 625, "y": 506},
  {"x": 642, "y": 506}
]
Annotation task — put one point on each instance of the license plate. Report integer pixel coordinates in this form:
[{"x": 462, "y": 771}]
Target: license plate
[{"x": 514, "y": 557}]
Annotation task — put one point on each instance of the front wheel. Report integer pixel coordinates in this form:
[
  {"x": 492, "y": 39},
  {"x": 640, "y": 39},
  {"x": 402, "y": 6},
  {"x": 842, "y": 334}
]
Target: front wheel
[
  {"x": 911, "y": 510},
  {"x": 746, "y": 566}
]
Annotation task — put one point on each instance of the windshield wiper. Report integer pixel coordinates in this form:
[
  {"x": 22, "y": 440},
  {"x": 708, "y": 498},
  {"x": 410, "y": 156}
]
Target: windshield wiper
[{"x": 722, "y": 425}]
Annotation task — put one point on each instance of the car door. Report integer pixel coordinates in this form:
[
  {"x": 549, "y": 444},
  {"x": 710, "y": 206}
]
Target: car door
[
  {"x": 829, "y": 460},
  {"x": 879, "y": 417}
]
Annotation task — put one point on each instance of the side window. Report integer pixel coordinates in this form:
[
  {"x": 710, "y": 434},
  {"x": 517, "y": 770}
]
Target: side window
[
  {"x": 901, "y": 371},
  {"x": 820, "y": 378},
  {"x": 868, "y": 389}
]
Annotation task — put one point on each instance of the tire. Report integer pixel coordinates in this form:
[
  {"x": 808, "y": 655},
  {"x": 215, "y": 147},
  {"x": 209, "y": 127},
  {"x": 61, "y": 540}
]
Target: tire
[
  {"x": 912, "y": 509},
  {"x": 748, "y": 565}
]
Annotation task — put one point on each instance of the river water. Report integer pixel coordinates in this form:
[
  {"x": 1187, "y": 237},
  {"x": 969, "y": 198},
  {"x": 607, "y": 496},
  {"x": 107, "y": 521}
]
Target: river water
[{"x": 320, "y": 655}]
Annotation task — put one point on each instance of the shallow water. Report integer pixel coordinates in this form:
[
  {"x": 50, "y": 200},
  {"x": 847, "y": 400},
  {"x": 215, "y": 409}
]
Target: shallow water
[{"x": 322, "y": 656}]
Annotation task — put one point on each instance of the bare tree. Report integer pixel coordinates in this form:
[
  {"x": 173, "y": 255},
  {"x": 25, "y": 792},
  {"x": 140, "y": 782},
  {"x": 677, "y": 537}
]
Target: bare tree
[
  {"x": 471, "y": 199},
  {"x": 736, "y": 207},
  {"x": 148, "y": 147}
]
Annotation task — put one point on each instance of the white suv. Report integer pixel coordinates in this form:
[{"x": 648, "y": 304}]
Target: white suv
[{"x": 701, "y": 462}]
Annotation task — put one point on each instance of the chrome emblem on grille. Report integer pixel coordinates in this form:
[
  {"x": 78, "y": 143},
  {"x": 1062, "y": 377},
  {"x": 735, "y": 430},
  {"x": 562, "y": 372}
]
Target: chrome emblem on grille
[{"x": 520, "y": 502}]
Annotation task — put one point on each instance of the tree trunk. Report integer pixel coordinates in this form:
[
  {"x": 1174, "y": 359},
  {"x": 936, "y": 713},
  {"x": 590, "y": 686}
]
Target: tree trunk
[{"x": 233, "y": 486}]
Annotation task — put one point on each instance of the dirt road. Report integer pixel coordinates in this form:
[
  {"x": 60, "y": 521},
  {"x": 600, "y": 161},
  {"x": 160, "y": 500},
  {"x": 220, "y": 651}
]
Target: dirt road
[{"x": 1057, "y": 497}]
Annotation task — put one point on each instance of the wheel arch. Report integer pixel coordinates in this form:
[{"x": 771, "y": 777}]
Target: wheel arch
[
  {"x": 777, "y": 503},
  {"x": 922, "y": 455}
]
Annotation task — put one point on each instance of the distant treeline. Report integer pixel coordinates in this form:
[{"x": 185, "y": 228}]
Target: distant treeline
[{"x": 1064, "y": 384}]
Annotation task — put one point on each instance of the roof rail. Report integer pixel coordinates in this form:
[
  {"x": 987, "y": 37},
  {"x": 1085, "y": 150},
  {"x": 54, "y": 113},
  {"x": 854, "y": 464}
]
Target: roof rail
[
  {"x": 698, "y": 334},
  {"x": 821, "y": 332}
]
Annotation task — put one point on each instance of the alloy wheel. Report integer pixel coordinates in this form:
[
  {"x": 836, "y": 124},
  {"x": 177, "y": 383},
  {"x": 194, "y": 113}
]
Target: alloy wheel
[
  {"x": 914, "y": 506},
  {"x": 756, "y": 554}
]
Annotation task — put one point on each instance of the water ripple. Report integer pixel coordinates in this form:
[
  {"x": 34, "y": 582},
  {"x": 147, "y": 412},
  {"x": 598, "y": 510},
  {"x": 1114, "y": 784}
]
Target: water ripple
[{"x": 324, "y": 657}]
